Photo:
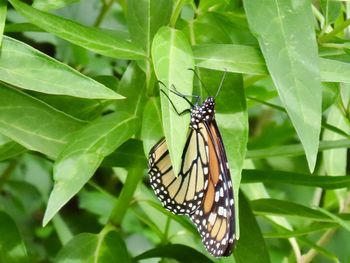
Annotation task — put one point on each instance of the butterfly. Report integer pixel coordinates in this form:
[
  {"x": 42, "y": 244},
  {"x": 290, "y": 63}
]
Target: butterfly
[{"x": 202, "y": 190}]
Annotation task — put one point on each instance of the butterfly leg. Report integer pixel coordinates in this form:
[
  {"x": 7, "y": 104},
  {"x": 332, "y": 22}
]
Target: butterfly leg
[{"x": 172, "y": 104}]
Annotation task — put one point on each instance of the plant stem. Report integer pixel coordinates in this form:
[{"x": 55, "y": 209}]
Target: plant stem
[
  {"x": 126, "y": 195},
  {"x": 105, "y": 7},
  {"x": 176, "y": 13},
  {"x": 7, "y": 173},
  {"x": 166, "y": 231},
  {"x": 341, "y": 27}
]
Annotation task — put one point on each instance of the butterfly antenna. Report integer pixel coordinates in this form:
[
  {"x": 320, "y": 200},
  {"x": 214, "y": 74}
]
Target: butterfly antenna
[
  {"x": 202, "y": 84},
  {"x": 222, "y": 81}
]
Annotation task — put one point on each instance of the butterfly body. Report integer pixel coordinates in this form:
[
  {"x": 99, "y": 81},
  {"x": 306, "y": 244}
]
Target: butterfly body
[{"x": 202, "y": 190}]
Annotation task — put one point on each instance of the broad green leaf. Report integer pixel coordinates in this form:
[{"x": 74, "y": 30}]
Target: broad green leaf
[
  {"x": 251, "y": 246},
  {"x": 27, "y": 68},
  {"x": 3, "y": 12},
  {"x": 133, "y": 87},
  {"x": 34, "y": 124},
  {"x": 90, "y": 38},
  {"x": 151, "y": 131},
  {"x": 285, "y": 208},
  {"x": 249, "y": 60},
  {"x": 10, "y": 149},
  {"x": 145, "y": 17},
  {"x": 176, "y": 251},
  {"x": 83, "y": 109},
  {"x": 234, "y": 58},
  {"x": 288, "y": 43},
  {"x": 172, "y": 57},
  {"x": 334, "y": 70},
  {"x": 105, "y": 247},
  {"x": 207, "y": 28},
  {"x": 22, "y": 27},
  {"x": 291, "y": 178},
  {"x": 212, "y": 5},
  {"x": 331, "y": 10},
  {"x": 335, "y": 160},
  {"x": 63, "y": 232},
  {"x": 12, "y": 248},
  {"x": 83, "y": 155},
  {"x": 53, "y": 4},
  {"x": 129, "y": 154},
  {"x": 294, "y": 150}
]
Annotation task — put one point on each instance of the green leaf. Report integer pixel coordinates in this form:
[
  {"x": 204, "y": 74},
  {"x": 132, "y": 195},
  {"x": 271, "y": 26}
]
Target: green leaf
[
  {"x": 233, "y": 58},
  {"x": 49, "y": 5},
  {"x": 10, "y": 149},
  {"x": 12, "y": 248},
  {"x": 133, "y": 87},
  {"x": 288, "y": 43},
  {"x": 145, "y": 17},
  {"x": 34, "y": 124},
  {"x": 172, "y": 57},
  {"x": 105, "y": 247},
  {"x": 82, "y": 109},
  {"x": 151, "y": 131},
  {"x": 176, "y": 251},
  {"x": 335, "y": 160},
  {"x": 90, "y": 38},
  {"x": 294, "y": 149},
  {"x": 285, "y": 208},
  {"x": 3, "y": 12},
  {"x": 249, "y": 60},
  {"x": 336, "y": 219},
  {"x": 84, "y": 154},
  {"x": 292, "y": 178},
  {"x": 316, "y": 227},
  {"x": 98, "y": 203},
  {"x": 320, "y": 249},
  {"x": 331, "y": 10},
  {"x": 334, "y": 70},
  {"x": 129, "y": 154},
  {"x": 27, "y": 68},
  {"x": 251, "y": 246}
]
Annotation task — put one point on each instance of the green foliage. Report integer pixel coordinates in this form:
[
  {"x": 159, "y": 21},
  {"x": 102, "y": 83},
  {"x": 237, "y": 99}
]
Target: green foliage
[{"x": 80, "y": 108}]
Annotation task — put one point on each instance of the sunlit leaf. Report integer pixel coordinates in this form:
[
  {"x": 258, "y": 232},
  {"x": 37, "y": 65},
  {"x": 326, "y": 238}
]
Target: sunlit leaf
[
  {"x": 27, "y": 68},
  {"x": 83, "y": 155},
  {"x": 12, "y": 248},
  {"x": 105, "y": 247},
  {"x": 172, "y": 57},
  {"x": 289, "y": 33},
  {"x": 87, "y": 37}
]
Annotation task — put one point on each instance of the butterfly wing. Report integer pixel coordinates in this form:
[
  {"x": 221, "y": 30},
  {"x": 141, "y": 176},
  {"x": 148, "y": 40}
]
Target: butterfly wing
[
  {"x": 215, "y": 217},
  {"x": 182, "y": 194}
]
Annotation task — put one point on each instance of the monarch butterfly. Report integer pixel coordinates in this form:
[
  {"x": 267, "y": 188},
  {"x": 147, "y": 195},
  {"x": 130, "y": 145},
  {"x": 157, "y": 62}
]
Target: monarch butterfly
[{"x": 203, "y": 189}]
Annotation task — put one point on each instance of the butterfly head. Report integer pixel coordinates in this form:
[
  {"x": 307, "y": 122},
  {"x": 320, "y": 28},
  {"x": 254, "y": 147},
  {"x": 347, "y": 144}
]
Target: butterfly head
[{"x": 203, "y": 113}]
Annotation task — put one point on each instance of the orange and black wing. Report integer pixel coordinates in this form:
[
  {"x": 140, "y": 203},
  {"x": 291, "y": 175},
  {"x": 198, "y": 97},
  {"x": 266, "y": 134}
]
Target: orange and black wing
[
  {"x": 203, "y": 188},
  {"x": 182, "y": 194},
  {"x": 215, "y": 217}
]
